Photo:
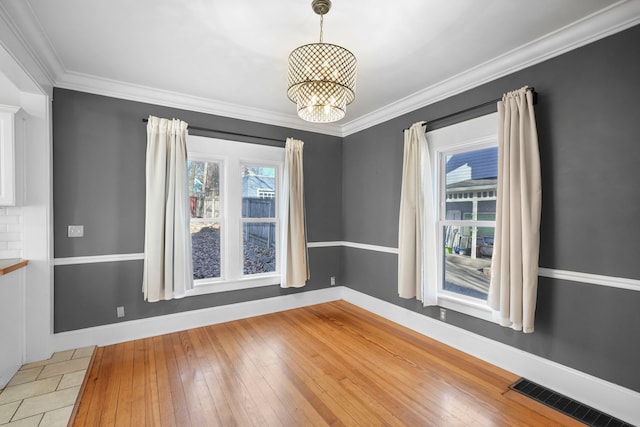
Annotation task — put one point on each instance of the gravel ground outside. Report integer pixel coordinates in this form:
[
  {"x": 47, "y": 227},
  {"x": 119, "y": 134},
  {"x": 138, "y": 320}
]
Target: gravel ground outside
[{"x": 205, "y": 243}]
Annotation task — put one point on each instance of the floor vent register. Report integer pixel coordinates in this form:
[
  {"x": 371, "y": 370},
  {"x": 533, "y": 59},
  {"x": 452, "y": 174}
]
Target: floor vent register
[{"x": 566, "y": 405}]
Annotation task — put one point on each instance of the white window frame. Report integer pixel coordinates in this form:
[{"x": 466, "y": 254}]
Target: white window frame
[
  {"x": 230, "y": 155},
  {"x": 474, "y": 134}
]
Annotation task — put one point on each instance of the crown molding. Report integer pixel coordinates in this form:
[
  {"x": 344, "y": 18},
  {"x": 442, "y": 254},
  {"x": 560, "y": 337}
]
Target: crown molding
[
  {"x": 38, "y": 56},
  {"x": 40, "y": 50},
  {"x": 31, "y": 30},
  {"x": 617, "y": 17},
  {"x": 140, "y": 93},
  {"x": 21, "y": 64}
]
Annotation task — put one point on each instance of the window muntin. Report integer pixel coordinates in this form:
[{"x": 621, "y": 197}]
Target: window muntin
[{"x": 243, "y": 243}]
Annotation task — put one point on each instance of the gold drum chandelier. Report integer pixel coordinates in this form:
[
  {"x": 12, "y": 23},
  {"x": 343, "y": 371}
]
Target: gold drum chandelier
[{"x": 321, "y": 76}]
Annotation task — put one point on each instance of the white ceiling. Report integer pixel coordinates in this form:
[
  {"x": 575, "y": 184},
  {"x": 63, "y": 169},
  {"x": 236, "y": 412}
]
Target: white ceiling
[{"x": 230, "y": 56}]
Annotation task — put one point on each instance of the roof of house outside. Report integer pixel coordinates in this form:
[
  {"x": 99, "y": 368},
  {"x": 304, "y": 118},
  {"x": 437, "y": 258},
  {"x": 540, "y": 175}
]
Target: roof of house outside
[{"x": 483, "y": 163}]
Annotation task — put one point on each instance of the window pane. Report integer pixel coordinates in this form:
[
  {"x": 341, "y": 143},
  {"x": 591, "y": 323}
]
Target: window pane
[
  {"x": 258, "y": 192},
  {"x": 204, "y": 189},
  {"x": 467, "y": 260},
  {"x": 471, "y": 184},
  {"x": 259, "y": 247},
  {"x": 205, "y": 247}
]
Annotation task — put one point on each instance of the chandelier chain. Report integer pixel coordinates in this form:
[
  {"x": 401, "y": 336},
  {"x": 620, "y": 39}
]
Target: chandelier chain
[{"x": 321, "y": 25}]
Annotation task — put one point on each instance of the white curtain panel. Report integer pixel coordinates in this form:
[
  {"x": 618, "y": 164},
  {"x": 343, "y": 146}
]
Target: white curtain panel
[
  {"x": 295, "y": 266},
  {"x": 167, "y": 238},
  {"x": 514, "y": 267},
  {"x": 417, "y": 222}
]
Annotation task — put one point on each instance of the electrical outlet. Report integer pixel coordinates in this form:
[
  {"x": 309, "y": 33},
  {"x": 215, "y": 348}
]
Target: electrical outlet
[
  {"x": 75, "y": 231},
  {"x": 333, "y": 280},
  {"x": 120, "y": 311},
  {"x": 443, "y": 314}
]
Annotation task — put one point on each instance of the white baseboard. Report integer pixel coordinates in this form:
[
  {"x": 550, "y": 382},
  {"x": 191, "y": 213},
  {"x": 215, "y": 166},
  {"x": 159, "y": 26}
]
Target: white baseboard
[
  {"x": 158, "y": 325},
  {"x": 610, "y": 398},
  {"x": 605, "y": 396}
]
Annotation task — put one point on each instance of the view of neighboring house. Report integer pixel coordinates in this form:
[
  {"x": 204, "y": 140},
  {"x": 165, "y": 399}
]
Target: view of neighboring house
[
  {"x": 470, "y": 196},
  {"x": 258, "y": 187}
]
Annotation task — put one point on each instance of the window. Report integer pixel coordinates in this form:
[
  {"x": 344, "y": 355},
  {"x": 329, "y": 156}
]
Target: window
[
  {"x": 465, "y": 168},
  {"x": 258, "y": 219},
  {"x": 206, "y": 218},
  {"x": 235, "y": 222},
  {"x": 467, "y": 221}
]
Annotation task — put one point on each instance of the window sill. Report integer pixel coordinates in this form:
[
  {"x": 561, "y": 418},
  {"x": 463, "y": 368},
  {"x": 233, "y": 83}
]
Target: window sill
[
  {"x": 213, "y": 287},
  {"x": 479, "y": 310}
]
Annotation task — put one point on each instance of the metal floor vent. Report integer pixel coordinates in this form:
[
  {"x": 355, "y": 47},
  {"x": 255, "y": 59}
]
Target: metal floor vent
[{"x": 567, "y": 406}]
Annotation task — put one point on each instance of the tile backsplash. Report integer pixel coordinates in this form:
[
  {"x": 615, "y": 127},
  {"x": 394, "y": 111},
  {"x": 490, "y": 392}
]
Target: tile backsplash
[{"x": 10, "y": 232}]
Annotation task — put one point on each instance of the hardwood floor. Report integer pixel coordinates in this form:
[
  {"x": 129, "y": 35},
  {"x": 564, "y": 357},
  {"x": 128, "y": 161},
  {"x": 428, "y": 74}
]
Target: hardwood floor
[{"x": 329, "y": 364}]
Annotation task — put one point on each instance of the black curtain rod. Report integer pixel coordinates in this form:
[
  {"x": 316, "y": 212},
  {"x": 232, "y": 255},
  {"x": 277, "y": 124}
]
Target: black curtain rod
[
  {"x": 229, "y": 133},
  {"x": 475, "y": 107}
]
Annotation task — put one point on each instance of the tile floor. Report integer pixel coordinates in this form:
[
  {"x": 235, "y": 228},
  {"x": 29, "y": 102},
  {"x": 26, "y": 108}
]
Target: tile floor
[{"x": 42, "y": 394}]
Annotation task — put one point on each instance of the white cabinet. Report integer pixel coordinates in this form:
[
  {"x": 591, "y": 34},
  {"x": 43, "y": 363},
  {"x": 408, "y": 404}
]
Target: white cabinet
[
  {"x": 12, "y": 311},
  {"x": 11, "y": 153}
]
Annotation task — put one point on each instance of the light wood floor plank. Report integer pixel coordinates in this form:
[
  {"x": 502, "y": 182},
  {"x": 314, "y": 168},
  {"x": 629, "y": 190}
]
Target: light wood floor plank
[
  {"x": 330, "y": 364},
  {"x": 113, "y": 383},
  {"x": 384, "y": 349},
  {"x": 178, "y": 396},
  {"x": 194, "y": 386},
  {"x": 266, "y": 362},
  {"x": 315, "y": 372},
  {"x": 165, "y": 401},
  {"x": 81, "y": 411},
  {"x": 215, "y": 370},
  {"x": 117, "y": 408},
  {"x": 322, "y": 369},
  {"x": 248, "y": 379},
  {"x": 370, "y": 371}
]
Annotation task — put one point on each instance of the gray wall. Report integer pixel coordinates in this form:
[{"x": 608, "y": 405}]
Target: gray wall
[
  {"x": 98, "y": 166},
  {"x": 588, "y": 125}
]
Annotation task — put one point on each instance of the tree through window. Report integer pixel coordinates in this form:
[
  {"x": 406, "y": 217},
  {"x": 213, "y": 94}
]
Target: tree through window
[{"x": 204, "y": 205}]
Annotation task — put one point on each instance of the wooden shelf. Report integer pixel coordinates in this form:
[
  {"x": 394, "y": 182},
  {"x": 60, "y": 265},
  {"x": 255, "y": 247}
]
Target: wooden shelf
[{"x": 9, "y": 265}]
